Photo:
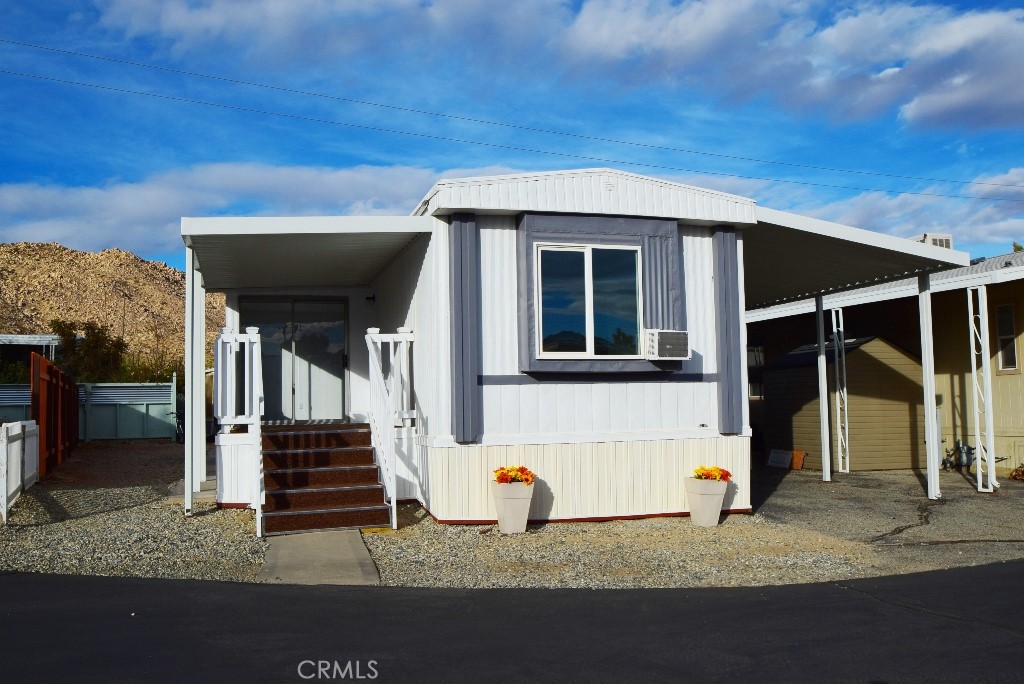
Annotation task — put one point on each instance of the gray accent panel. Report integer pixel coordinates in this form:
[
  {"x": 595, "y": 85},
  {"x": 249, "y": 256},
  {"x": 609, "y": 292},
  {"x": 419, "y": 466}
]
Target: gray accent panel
[
  {"x": 591, "y": 378},
  {"x": 597, "y": 225},
  {"x": 663, "y": 308},
  {"x": 661, "y": 265},
  {"x": 728, "y": 314},
  {"x": 466, "y": 356}
]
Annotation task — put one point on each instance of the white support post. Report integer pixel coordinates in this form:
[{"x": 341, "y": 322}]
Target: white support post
[
  {"x": 842, "y": 416},
  {"x": 931, "y": 426},
  {"x": 195, "y": 383},
  {"x": 981, "y": 393},
  {"x": 826, "y": 450}
]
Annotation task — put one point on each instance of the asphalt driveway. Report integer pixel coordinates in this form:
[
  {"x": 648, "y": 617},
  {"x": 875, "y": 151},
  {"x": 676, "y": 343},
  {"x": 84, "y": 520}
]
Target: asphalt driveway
[{"x": 953, "y": 626}]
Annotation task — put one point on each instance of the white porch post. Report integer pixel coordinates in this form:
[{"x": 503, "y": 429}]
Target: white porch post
[
  {"x": 195, "y": 379},
  {"x": 984, "y": 416},
  {"x": 931, "y": 426},
  {"x": 826, "y": 450}
]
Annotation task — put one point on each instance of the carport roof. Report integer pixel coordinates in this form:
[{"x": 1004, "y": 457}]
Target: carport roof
[{"x": 790, "y": 257}]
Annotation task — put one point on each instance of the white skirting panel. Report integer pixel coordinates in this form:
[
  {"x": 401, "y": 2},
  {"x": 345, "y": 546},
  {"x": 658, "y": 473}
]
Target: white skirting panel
[
  {"x": 238, "y": 477},
  {"x": 408, "y": 465},
  {"x": 584, "y": 480}
]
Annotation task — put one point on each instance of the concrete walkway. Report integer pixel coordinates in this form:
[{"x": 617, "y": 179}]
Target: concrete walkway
[{"x": 327, "y": 557}]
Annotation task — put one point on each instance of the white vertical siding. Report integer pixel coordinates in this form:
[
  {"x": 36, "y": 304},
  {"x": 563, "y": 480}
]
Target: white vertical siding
[
  {"x": 413, "y": 292},
  {"x": 584, "y": 480},
  {"x": 699, "y": 280},
  {"x": 743, "y": 380},
  {"x": 516, "y": 411},
  {"x": 616, "y": 407},
  {"x": 499, "y": 295}
]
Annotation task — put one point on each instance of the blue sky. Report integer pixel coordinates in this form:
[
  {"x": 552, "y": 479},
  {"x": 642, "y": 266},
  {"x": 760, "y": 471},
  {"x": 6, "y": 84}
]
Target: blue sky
[{"x": 901, "y": 117}]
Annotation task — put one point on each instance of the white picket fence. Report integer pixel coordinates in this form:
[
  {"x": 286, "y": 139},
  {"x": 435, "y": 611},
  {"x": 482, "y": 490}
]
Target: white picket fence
[{"x": 19, "y": 462}]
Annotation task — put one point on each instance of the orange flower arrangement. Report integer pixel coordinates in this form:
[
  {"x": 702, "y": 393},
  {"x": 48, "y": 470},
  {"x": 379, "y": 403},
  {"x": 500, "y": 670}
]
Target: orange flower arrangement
[
  {"x": 712, "y": 473},
  {"x": 507, "y": 474}
]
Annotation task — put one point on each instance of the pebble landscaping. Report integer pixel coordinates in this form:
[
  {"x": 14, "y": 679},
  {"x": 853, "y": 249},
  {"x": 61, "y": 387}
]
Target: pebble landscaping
[{"x": 110, "y": 510}]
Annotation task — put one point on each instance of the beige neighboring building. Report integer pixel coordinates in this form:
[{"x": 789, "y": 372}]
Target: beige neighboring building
[
  {"x": 886, "y": 417},
  {"x": 890, "y": 312}
]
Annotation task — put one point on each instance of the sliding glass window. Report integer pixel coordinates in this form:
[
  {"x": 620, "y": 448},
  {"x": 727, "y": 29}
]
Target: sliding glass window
[{"x": 589, "y": 301}]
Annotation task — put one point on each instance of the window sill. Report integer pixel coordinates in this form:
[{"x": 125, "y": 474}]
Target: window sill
[{"x": 597, "y": 365}]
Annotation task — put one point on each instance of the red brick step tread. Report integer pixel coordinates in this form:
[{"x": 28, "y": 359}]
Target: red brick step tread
[
  {"x": 318, "y": 458},
  {"x": 319, "y": 439},
  {"x": 321, "y": 477},
  {"x": 334, "y": 497},
  {"x": 276, "y": 523}
]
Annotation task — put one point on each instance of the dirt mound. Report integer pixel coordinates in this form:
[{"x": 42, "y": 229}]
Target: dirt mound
[{"x": 142, "y": 301}]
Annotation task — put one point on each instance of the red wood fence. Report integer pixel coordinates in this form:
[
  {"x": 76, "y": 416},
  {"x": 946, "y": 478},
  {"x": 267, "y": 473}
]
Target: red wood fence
[{"x": 55, "y": 410}]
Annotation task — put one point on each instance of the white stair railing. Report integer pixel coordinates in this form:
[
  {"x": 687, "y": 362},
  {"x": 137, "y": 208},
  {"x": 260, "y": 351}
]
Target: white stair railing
[
  {"x": 238, "y": 394},
  {"x": 390, "y": 403}
]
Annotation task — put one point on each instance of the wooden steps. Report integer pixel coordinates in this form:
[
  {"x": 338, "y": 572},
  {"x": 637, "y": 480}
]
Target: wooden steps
[{"x": 321, "y": 476}]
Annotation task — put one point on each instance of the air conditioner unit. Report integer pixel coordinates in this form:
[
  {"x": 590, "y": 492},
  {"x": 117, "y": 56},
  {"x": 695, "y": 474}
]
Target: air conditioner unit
[{"x": 667, "y": 345}]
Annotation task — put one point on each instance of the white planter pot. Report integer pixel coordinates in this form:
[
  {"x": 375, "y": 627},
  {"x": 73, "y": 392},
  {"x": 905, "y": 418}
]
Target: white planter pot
[
  {"x": 705, "y": 498},
  {"x": 512, "y": 500}
]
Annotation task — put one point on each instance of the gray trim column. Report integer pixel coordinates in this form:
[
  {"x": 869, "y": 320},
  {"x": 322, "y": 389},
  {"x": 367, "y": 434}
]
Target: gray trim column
[
  {"x": 731, "y": 356},
  {"x": 466, "y": 366}
]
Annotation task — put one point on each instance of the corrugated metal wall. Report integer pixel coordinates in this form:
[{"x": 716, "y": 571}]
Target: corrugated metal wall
[
  {"x": 126, "y": 411},
  {"x": 15, "y": 403},
  {"x": 108, "y": 410},
  {"x": 587, "y": 480}
]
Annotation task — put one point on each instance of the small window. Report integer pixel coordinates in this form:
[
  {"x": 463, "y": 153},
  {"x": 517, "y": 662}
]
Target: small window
[
  {"x": 1006, "y": 338},
  {"x": 589, "y": 301},
  {"x": 755, "y": 372}
]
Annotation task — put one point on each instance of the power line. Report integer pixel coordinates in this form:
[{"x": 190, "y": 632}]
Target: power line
[
  {"x": 504, "y": 124},
  {"x": 462, "y": 141}
]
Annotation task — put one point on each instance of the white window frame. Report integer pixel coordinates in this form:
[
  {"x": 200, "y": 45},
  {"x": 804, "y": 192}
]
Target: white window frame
[
  {"x": 1012, "y": 338},
  {"x": 588, "y": 277}
]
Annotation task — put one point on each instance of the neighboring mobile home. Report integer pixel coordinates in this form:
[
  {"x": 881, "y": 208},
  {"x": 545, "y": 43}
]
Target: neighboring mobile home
[
  {"x": 987, "y": 295},
  {"x": 588, "y": 324},
  {"x": 885, "y": 418}
]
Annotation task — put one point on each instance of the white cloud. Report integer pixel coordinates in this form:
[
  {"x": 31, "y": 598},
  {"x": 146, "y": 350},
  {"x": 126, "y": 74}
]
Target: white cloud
[
  {"x": 971, "y": 221},
  {"x": 933, "y": 63},
  {"x": 145, "y": 217}
]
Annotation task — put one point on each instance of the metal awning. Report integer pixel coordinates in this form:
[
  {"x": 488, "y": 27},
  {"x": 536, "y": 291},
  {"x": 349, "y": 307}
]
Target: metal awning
[
  {"x": 790, "y": 257},
  {"x": 335, "y": 251}
]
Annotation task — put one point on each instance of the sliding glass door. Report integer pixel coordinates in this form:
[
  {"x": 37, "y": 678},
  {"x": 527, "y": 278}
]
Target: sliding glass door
[{"x": 305, "y": 353}]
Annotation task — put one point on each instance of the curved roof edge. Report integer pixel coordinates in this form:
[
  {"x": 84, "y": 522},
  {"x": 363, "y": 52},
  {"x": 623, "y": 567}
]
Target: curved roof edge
[{"x": 585, "y": 191}]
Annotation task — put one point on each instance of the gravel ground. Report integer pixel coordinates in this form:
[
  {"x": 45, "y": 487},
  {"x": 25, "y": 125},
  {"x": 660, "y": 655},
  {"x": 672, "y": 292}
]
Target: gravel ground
[
  {"x": 804, "y": 530},
  {"x": 106, "y": 511}
]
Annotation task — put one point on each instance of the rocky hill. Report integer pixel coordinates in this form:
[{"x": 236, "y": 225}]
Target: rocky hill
[{"x": 142, "y": 301}]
